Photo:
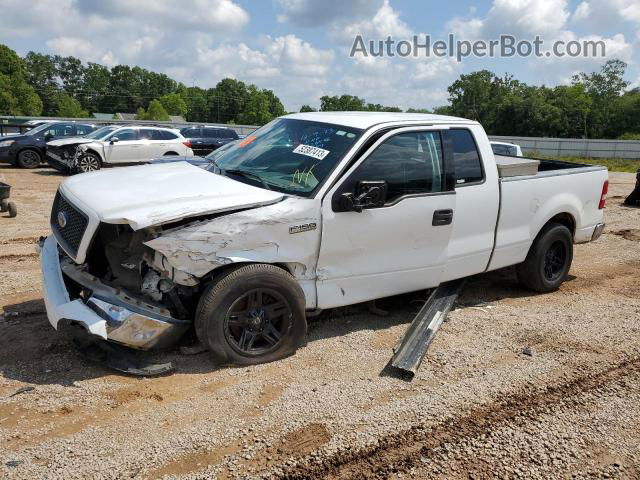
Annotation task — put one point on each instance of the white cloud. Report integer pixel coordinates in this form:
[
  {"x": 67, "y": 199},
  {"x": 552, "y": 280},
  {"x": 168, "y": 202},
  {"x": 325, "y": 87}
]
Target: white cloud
[
  {"x": 385, "y": 22},
  {"x": 607, "y": 13},
  {"x": 522, "y": 18},
  {"x": 553, "y": 70},
  {"x": 314, "y": 13}
]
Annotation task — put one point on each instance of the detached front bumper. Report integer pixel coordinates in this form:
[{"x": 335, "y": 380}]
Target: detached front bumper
[{"x": 105, "y": 312}]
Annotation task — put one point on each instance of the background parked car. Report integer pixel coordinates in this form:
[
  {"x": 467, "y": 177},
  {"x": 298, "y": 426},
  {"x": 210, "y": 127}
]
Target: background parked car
[
  {"x": 28, "y": 150},
  {"x": 507, "y": 149},
  {"x": 124, "y": 145},
  {"x": 205, "y": 139},
  {"x": 202, "y": 162}
]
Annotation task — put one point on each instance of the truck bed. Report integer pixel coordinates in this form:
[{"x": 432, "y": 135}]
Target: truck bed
[{"x": 528, "y": 201}]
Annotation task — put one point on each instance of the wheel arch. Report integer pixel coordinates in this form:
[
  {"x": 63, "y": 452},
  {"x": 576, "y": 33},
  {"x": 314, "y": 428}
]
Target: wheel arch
[{"x": 96, "y": 153}]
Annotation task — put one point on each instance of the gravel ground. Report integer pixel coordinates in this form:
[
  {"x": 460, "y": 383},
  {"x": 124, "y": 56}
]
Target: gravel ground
[{"x": 515, "y": 384}]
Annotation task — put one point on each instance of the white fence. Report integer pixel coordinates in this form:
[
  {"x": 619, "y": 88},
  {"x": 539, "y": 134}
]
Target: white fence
[{"x": 575, "y": 147}]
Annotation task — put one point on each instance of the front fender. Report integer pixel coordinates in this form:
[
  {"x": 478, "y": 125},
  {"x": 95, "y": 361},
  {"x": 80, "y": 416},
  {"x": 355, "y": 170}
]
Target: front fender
[{"x": 287, "y": 232}]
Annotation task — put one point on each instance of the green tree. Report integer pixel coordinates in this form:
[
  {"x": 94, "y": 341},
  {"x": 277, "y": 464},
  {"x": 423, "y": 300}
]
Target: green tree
[
  {"x": 342, "y": 103},
  {"x": 227, "y": 100},
  {"x": 41, "y": 74},
  {"x": 17, "y": 97},
  {"x": 307, "y": 108},
  {"x": 478, "y": 94},
  {"x": 604, "y": 88},
  {"x": 95, "y": 95},
  {"x": 256, "y": 108},
  {"x": 155, "y": 112},
  {"x": 418, "y": 110},
  {"x": 67, "y": 106},
  {"x": 196, "y": 101},
  {"x": 174, "y": 104}
]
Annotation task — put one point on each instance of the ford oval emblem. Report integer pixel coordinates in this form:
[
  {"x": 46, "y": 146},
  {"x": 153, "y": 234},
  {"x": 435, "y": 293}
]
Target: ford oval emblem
[{"x": 62, "y": 219}]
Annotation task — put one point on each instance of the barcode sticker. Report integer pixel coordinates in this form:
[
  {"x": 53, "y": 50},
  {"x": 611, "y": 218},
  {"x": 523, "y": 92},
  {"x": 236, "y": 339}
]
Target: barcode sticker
[{"x": 310, "y": 151}]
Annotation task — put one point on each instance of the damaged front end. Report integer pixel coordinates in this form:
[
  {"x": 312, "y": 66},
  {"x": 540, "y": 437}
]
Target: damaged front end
[
  {"x": 66, "y": 158},
  {"x": 120, "y": 292}
]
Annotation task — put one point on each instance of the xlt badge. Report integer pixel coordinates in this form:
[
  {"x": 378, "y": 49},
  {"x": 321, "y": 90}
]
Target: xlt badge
[{"x": 305, "y": 227}]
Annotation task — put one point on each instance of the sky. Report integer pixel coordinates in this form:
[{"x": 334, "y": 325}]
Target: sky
[{"x": 300, "y": 48}]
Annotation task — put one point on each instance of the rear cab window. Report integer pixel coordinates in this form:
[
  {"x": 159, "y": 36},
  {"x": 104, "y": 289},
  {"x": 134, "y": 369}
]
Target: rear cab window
[{"x": 466, "y": 158}]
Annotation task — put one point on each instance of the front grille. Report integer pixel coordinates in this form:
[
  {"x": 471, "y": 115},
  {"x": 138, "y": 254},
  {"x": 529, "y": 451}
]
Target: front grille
[{"x": 75, "y": 223}]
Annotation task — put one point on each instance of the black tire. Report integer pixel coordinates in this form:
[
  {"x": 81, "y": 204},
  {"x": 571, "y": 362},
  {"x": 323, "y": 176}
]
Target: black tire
[
  {"x": 29, "y": 159},
  {"x": 13, "y": 210},
  {"x": 4, "y": 205},
  {"x": 241, "y": 327},
  {"x": 89, "y": 162},
  {"x": 549, "y": 259}
]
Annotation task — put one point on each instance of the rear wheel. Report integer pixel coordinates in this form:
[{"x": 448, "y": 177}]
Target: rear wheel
[
  {"x": 549, "y": 259},
  {"x": 89, "y": 162},
  {"x": 253, "y": 314},
  {"x": 29, "y": 159}
]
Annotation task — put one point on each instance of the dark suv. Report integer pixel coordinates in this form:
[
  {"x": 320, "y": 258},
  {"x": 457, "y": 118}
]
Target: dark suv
[
  {"x": 28, "y": 150},
  {"x": 205, "y": 140}
]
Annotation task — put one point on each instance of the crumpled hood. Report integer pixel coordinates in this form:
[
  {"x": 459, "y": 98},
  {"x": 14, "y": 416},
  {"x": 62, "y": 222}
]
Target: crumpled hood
[
  {"x": 61, "y": 142},
  {"x": 148, "y": 195}
]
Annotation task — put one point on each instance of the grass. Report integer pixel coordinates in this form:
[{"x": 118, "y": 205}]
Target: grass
[{"x": 613, "y": 164}]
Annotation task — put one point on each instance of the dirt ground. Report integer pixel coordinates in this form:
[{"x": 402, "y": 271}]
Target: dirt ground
[{"x": 515, "y": 384}]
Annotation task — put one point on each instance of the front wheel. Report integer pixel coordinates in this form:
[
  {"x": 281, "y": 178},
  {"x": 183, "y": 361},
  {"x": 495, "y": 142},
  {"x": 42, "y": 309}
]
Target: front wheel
[
  {"x": 253, "y": 314},
  {"x": 89, "y": 162},
  {"x": 549, "y": 259},
  {"x": 29, "y": 159}
]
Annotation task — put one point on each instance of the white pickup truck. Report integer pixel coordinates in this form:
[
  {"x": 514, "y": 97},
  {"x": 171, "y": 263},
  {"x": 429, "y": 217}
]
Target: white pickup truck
[{"x": 311, "y": 211}]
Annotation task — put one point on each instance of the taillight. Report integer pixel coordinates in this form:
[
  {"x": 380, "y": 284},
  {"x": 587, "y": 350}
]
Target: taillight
[
  {"x": 187, "y": 143},
  {"x": 603, "y": 196}
]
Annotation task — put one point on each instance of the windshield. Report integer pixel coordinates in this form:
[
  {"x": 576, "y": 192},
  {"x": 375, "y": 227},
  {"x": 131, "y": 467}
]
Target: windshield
[
  {"x": 291, "y": 156},
  {"x": 101, "y": 132},
  {"x": 39, "y": 128}
]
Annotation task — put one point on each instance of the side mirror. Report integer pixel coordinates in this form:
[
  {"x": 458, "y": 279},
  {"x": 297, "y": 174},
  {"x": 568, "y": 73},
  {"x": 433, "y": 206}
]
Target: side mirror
[
  {"x": 368, "y": 194},
  {"x": 114, "y": 140}
]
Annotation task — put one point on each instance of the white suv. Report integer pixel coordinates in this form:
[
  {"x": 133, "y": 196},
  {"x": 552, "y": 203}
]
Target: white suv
[{"x": 116, "y": 145}]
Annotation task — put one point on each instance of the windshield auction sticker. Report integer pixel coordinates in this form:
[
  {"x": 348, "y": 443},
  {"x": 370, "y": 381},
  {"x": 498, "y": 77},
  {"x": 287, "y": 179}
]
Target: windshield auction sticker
[{"x": 310, "y": 151}]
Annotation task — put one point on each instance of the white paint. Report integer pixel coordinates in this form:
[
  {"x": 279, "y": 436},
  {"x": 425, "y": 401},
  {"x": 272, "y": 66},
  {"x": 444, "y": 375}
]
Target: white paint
[
  {"x": 56, "y": 298},
  {"x": 155, "y": 194},
  {"x": 528, "y": 204},
  {"x": 382, "y": 251},
  {"x": 350, "y": 257}
]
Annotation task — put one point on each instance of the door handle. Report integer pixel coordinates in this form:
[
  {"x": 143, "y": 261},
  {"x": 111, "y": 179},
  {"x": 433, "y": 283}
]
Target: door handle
[{"x": 442, "y": 217}]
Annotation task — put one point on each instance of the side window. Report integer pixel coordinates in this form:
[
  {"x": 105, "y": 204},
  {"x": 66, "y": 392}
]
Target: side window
[
  {"x": 191, "y": 133},
  {"x": 410, "y": 163},
  {"x": 210, "y": 132},
  {"x": 465, "y": 157},
  {"x": 229, "y": 134},
  {"x": 126, "y": 134},
  {"x": 168, "y": 135},
  {"x": 145, "y": 134},
  {"x": 83, "y": 129}
]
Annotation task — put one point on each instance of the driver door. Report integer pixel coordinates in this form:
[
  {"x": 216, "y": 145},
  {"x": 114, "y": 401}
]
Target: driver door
[{"x": 398, "y": 244}]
